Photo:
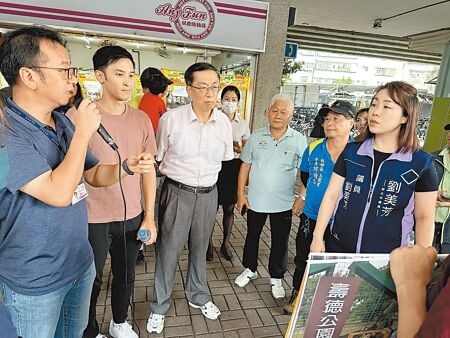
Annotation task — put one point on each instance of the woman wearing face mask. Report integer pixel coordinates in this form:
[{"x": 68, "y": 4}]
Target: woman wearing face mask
[{"x": 227, "y": 181}]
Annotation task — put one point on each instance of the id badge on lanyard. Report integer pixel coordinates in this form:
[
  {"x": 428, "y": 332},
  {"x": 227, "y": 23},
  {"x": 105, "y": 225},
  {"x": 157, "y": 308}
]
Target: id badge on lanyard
[{"x": 80, "y": 193}]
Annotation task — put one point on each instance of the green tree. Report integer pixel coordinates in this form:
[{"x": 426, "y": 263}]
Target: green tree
[
  {"x": 344, "y": 81},
  {"x": 290, "y": 66},
  {"x": 245, "y": 71}
]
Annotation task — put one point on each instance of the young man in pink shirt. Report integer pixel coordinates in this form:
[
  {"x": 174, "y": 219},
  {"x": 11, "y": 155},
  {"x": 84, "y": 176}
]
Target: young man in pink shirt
[{"x": 132, "y": 131}]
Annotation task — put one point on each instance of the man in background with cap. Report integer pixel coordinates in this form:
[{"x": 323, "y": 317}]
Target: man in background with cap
[
  {"x": 441, "y": 239},
  {"x": 154, "y": 85},
  {"x": 315, "y": 171},
  {"x": 269, "y": 162}
]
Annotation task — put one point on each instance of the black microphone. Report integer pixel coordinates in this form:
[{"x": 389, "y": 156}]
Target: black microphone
[
  {"x": 102, "y": 131},
  {"x": 105, "y": 136}
]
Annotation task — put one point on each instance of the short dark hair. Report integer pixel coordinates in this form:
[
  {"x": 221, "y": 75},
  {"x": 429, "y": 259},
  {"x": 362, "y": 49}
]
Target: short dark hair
[
  {"x": 21, "y": 48},
  {"x": 197, "y": 67},
  {"x": 157, "y": 88},
  {"x": 153, "y": 79},
  {"x": 230, "y": 89},
  {"x": 107, "y": 55},
  {"x": 362, "y": 110}
]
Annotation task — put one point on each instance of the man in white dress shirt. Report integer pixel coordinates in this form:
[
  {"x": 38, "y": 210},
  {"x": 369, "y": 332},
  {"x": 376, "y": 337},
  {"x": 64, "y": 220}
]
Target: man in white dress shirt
[{"x": 192, "y": 142}]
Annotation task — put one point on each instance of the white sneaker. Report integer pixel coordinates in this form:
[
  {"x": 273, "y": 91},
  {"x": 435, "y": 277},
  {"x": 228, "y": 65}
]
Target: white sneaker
[
  {"x": 277, "y": 288},
  {"x": 209, "y": 310},
  {"x": 155, "y": 323},
  {"x": 100, "y": 336},
  {"x": 122, "y": 330},
  {"x": 245, "y": 277}
]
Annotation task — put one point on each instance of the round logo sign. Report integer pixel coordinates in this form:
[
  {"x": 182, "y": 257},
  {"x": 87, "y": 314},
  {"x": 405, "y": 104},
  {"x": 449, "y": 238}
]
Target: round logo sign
[{"x": 195, "y": 19}]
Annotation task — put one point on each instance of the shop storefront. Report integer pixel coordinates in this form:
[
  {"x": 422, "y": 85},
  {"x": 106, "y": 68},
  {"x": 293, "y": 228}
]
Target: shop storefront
[{"x": 167, "y": 34}]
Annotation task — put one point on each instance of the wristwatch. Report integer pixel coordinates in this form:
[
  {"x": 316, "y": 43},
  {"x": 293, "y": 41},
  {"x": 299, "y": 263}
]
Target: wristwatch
[
  {"x": 303, "y": 197},
  {"x": 126, "y": 168}
]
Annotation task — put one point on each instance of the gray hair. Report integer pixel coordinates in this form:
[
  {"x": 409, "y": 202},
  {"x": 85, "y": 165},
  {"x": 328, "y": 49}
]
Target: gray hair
[{"x": 281, "y": 97}]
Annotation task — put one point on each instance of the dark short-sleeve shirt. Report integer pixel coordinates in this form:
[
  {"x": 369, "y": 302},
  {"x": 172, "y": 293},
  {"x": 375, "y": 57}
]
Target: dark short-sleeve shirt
[
  {"x": 42, "y": 247},
  {"x": 427, "y": 182}
]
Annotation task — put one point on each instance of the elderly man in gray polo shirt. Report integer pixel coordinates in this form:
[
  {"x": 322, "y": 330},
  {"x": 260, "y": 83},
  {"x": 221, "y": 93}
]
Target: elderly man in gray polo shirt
[{"x": 269, "y": 163}]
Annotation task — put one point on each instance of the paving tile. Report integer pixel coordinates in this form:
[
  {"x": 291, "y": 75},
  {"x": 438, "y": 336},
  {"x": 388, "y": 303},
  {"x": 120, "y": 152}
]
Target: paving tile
[
  {"x": 283, "y": 328},
  {"x": 219, "y": 274},
  {"x": 181, "y": 307},
  {"x": 178, "y": 287},
  {"x": 177, "y": 321},
  {"x": 232, "y": 302},
  {"x": 268, "y": 299},
  {"x": 214, "y": 265},
  {"x": 231, "y": 334},
  {"x": 253, "y": 318},
  {"x": 220, "y": 302},
  {"x": 266, "y": 331},
  {"x": 277, "y": 310},
  {"x": 171, "y": 311},
  {"x": 252, "y": 304},
  {"x": 219, "y": 283},
  {"x": 246, "y": 312},
  {"x": 141, "y": 311},
  {"x": 140, "y": 294},
  {"x": 178, "y": 331},
  {"x": 222, "y": 291},
  {"x": 199, "y": 324},
  {"x": 282, "y": 319},
  {"x": 266, "y": 316},
  {"x": 178, "y": 295},
  {"x": 210, "y": 335},
  {"x": 234, "y": 324},
  {"x": 248, "y": 296},
  {"x": 143, "y": 283},
  {"x": 234, "y": 314},
  {"x": 245, "y": 333},
  {"x": 210, "y": 275},
  {"x": 213, "y": 325}
]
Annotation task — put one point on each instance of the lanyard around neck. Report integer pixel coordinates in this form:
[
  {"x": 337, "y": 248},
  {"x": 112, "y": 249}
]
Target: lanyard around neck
[{"x": 50, "y": 135}]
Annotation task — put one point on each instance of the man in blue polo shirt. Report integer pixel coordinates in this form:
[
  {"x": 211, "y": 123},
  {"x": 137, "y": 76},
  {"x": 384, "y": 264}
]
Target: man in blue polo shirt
[
  {"x": 47, "y": 270},
  {"x": 315, "y": 171},
  {"x": 270, "y": 160}
]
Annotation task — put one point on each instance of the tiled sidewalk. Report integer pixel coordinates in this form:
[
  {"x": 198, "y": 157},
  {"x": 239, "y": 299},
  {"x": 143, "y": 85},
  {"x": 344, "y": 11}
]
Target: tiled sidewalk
[{"x": 246, "y": 312}]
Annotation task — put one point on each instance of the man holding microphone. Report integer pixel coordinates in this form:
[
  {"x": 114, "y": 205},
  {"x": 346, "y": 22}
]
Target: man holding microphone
[{"x": 47, "y": 264}]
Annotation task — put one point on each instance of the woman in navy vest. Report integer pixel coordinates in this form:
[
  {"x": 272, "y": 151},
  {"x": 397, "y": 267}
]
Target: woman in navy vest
[{"x": 383, "y": 189}]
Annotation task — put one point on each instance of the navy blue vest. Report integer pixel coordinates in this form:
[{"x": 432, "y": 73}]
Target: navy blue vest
[{"x": 377, "y": 217}]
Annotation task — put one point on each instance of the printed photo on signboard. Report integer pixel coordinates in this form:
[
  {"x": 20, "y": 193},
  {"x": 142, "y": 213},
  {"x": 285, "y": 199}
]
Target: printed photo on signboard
[{"x": 346, "y": 295}]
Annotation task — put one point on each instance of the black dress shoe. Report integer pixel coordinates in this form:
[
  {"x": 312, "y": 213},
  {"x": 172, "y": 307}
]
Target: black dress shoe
[
  {"x": 140, "y": 258},
  {"x": 209, "y": 254},
  {"x": 226, "y": 253}
]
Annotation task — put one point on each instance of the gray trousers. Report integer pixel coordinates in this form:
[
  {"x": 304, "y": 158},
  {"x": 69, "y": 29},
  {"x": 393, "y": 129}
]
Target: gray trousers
[{"x": 183, "y": 215}]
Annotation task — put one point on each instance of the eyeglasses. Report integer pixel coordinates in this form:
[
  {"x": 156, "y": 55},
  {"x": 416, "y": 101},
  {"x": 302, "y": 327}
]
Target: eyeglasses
[
  {"x": 205, "y": 89},
  {"x": 71, "y": 72}
]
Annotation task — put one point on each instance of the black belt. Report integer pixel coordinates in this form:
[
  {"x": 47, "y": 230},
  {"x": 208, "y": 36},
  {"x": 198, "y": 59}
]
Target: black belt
[{"x": 190, "y": 188}]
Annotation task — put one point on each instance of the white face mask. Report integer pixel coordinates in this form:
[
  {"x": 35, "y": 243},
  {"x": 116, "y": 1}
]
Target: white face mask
[{"x": 229, "y": 107}]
